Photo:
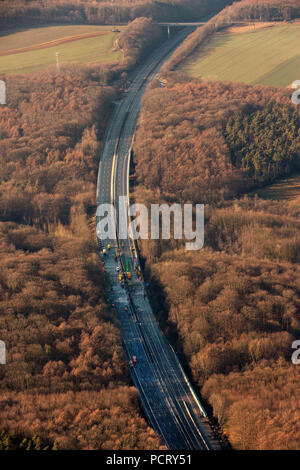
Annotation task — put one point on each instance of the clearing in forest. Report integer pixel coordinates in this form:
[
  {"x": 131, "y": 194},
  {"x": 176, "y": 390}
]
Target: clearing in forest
[{"x": 285, "y": 189}]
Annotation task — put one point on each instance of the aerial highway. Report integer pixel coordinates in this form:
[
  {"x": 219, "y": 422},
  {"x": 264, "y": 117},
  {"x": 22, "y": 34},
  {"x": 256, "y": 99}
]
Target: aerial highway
[{"x": 168, "y": 399}]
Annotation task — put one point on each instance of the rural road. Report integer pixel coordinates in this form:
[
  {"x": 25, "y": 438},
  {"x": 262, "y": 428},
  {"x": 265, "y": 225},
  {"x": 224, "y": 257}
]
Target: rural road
[{"x": 167, "y": 396}]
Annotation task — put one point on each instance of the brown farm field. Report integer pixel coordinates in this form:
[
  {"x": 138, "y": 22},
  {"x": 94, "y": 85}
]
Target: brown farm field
[{"x": 285, "y": 189}]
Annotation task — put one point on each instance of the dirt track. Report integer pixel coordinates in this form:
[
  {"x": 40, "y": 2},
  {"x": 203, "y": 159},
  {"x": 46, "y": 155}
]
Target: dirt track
[
  {"x": 255, "y": 26},
  {"x": 55, "y": 42}
]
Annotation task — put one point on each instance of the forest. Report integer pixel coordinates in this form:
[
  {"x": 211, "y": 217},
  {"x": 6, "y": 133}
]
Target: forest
[
  {"x": 253, "y": 132},
  {"x": 17, "y": 12},
  {"x": 66, "y": 383},
  {"x": 244, "y": 10},
  {"x": 137, "y": 40},
  {"x": 13, "y": 442},
  {"x": 231, "y": 309}
]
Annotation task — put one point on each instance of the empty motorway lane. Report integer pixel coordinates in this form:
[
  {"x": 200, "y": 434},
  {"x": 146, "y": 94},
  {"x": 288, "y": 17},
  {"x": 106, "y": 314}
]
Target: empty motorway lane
[{"x": 169, "y": 401}]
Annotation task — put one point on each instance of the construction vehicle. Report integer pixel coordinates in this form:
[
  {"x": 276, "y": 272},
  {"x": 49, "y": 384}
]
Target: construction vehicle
[{"x": 128, "y": 272}]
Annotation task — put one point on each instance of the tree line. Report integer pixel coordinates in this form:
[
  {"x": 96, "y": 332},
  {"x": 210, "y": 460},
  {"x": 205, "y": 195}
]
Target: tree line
[
  {"x": 32, "y": 12},
  {"x": 18, "y": 442},
  {"x": 136, "y": 41}
]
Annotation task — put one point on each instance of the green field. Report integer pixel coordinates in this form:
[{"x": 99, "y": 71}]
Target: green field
[
  {"x": 285, "y": 189},
  {"x": 94, "y": 49},
  {"x": 269, "y": 56}
]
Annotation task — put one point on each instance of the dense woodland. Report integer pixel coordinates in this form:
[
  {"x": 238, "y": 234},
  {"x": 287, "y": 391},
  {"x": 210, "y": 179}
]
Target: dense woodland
[
  {"x": 253, "y": 132},
  {"x": 66, "y": 382},
  {"x": 20, "y": 12},
  {"x": 14, "y": 442},
  {"x": 244, "y": 10},
  {"x": 106, "y": 419},
  {"x": 231, "y": 309}
]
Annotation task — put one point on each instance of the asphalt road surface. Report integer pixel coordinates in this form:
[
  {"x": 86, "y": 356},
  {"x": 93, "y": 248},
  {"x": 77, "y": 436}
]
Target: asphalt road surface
[{"x": 168, "y": 399}]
